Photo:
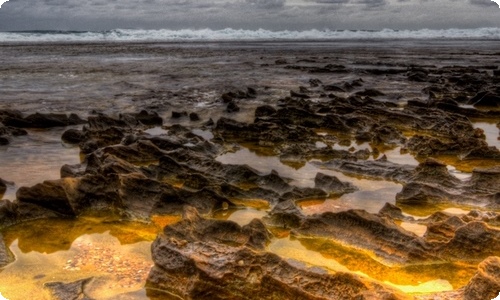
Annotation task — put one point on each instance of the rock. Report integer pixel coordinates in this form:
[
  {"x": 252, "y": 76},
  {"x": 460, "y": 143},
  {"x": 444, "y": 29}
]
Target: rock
[
  {"x": 51, "y": 194},
  {"x": 393, "y": 212},
  {"x": 473, "y": 241},
  {"x": 226, "y": 266},
  {"x": 38, "y": 120},
  {"x": 102, "y": 122},
  {"x": 332, "y": 185},
  {"x": 485, "y": 99},
  {"x": 178, "y": 114},
  {"x": 370, "y": 93},
  {"x": 69, "y": 291},
  {"x": 378, "y": 169},
  {"x": 264, "y": 111},
  {"x": 73, "y": 136},
  {"x": 4, "y": 141},
  {"x": 486, "y": 282},
  {"x": 194, "y": 117},
  {"x": 367, "y": 231},
  {"x": 285, "y": 214},
  {"x": 443, "y": 231},
  {"x": 299, "y": 95},
  {"x": 3, "y": 187},
  {"x": 6, "y": 256},
  {"x": 12, "y": 213},
  {"x": 232, "y": 107},
  {"x": 485, "y": 180},
  {"x": 149, "y": 119},
  {"x": 281, "y": 61},
  {"x": 333, "y": 88}
]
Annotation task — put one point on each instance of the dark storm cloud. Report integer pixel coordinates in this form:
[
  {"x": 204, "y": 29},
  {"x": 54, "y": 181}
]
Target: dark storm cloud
[{"x": 248, "y": 14}]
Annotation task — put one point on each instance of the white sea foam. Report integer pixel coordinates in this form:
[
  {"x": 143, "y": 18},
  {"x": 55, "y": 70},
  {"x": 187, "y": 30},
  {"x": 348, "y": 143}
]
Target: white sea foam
[{"x": 229, "y": 34}]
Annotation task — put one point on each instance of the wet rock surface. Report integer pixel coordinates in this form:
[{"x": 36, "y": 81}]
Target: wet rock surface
[
  {"x": 342, "y": 120},
  {"x": 200, "y": 258},
  {"x": 71, "y": 291},
  {"x": 6, "y": 256}
]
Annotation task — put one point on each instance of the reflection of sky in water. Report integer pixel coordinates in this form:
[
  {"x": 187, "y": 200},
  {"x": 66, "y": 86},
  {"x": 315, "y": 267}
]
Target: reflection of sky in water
[
  {"x": 491, "y": 132},
  {"x": 36, "y": 157},
  {"x": 116, "y": 268},
  {"x": 372, "y": 194},
  {"x": 116, "y": 254},
  {"x": 408, "y": 282}
]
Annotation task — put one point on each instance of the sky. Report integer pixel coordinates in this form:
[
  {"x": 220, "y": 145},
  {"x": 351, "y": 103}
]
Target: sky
[{"x": 247, "y": 14}]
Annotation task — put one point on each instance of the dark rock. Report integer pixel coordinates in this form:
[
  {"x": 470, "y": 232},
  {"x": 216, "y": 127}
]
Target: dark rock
[
  {"x": 285, "y": 214},
  {"x": 485, "y": 99},
  {"x": 232, "y": 107},
  {"x": 4, "y": 141},
  {"x": 69, "y": 291},
  {"x": 194, "y": 117},
  {"x": 281, "y": 61},
  {"x": 264, "y": 111},
  {"x": 299, "y": 95},
  {"x": 373, "y": 169},
  {"x": 149, "y": 119},
  {"x": 3, "y": 187},
  {"x": 52, "y": 195},
  {"x": 332, "y": 185},
  {"x": 314, "y": 82},
  {"x": 12, "y": 213},
  {"x": 38, "y": 120},
  {"x": 178, "y": 114},
  {"x": 393, "y": 212},
  {"x": 486, "y": 180},
  {"x": 251, "y": 92},
  {"x": 102, "y": 122},
  {"x": 73, "y": 136},
  {"x": 333, "y": 88},
  {"x": 304, "y": 193},
  {"x": 486, "y": 282},
  {"x": 6, "y": 256},
  {"x": 434, "y": 171},
  {"x": 370, "y": 93},
  {"x": 226, "y": 97}
]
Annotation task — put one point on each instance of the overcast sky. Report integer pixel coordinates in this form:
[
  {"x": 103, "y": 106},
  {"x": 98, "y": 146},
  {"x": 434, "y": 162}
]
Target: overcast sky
[{"x": 247, "y": 14}]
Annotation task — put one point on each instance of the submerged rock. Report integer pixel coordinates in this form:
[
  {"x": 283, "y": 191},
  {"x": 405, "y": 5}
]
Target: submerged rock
[
  {"x": 69, "y": 291},
  {"x": 6, "y": 256}
]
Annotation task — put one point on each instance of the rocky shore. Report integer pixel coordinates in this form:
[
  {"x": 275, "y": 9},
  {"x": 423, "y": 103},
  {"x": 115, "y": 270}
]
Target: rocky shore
[{"x": 133, "y": 174}]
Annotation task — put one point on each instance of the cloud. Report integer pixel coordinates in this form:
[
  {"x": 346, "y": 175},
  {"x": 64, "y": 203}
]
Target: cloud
[
  {"x": 247, "y": 14},
  {"x": 267, "y": 4},
  {"x": 483, "y": 3},
  {"x": 2, "y": 2}
]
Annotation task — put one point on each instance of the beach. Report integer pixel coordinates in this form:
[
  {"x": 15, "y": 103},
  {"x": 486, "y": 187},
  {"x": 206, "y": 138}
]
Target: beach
[{"x": 369, "y": 163}]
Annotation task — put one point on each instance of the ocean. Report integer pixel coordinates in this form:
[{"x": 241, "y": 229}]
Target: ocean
[{"x": 228, "y": 34}]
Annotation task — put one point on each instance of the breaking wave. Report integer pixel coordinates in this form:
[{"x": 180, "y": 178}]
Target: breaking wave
[{"x": 229, "y": 34}]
